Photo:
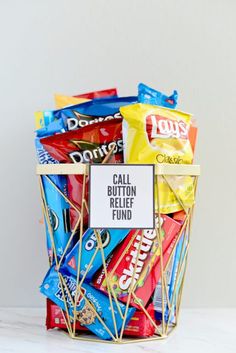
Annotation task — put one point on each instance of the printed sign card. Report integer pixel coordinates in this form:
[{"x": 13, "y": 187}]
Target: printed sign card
[{"x": 122, "y": 196}]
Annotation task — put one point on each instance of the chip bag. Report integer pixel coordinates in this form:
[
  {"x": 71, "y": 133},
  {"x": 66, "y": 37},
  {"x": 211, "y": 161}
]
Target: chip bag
[
  {"x": 62, "y": 101},
  {"x": 154, "y": 135},
  {"x": 92, "y": 144},
  {"x": 149, "y": 95}
]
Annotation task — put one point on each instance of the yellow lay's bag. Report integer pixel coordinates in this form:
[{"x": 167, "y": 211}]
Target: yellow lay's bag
[
  {"x": 153, "y": 134},
  {"x": 62, "y": 101}
]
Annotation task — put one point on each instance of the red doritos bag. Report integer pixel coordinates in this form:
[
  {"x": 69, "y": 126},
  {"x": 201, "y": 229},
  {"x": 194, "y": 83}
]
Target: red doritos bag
[{"x": 90, "y": 144}]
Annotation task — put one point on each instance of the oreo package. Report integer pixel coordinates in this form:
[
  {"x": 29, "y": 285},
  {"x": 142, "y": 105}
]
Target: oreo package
[
  {"x": 58, "y": 211},
  {"x": 138, "y": 326},
  {"x": 105, "y": 93},
  {"x": 110, "y": 239},
  {"x": 57, "y": 206},
  {"x": 85, "y": 309}
]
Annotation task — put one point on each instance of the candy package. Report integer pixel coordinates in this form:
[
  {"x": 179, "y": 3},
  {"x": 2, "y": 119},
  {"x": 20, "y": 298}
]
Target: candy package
[
  {"x": 62, "y": 101},
  {"x": 160, "y": 135},
  {"x": 110, "y": 239},
  {"x": 149, "y": 95},
  {"x": 121, "y": 265},
  {"x": 90, "y": 304}
]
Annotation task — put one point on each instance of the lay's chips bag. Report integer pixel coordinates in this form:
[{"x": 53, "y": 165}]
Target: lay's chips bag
[{"x": 154, "y": 134}]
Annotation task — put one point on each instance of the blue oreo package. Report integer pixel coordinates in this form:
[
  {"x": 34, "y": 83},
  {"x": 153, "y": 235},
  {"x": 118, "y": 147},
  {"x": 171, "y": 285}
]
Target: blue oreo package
[
  {"x": 58, "y": 207},
  {"x": 58, "y": 211},
  {"x": 110, "y": 239},
  {"x": 149, "y": 95},
  {"x": 51, "y": 288}
]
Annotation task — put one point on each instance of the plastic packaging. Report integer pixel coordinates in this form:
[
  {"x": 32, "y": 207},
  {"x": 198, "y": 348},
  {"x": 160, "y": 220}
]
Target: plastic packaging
[
  {"x": 110, "y": 239},
  {"x": 51, "y": 288},
  {"x": 149, "y": 95},
  {"x": 62, "y": 101},
  {"x": 159, "y": 135}
]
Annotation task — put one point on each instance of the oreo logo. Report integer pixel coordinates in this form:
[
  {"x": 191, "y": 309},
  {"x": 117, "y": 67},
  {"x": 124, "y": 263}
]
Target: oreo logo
[
  {"x": 53, "y": 219},
  {"x": 92, "y": 241}
]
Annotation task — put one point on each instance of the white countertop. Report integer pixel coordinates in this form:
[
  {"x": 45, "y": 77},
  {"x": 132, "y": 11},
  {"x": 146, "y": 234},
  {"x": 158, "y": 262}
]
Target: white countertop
[{"x": 202, "y": 331}]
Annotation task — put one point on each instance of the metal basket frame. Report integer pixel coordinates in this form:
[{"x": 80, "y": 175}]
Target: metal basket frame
[{"x": 166, "y": 327}]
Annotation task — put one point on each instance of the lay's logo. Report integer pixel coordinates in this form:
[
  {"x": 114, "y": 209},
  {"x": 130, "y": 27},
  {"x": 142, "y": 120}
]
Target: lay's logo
[{"x": 160, "y": 127}]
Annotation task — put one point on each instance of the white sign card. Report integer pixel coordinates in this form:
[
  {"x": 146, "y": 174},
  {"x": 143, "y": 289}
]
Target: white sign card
[{"x": 122, "y": 196}]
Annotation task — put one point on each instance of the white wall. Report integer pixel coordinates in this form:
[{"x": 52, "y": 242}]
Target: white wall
[{"x": 73, "y": 46}]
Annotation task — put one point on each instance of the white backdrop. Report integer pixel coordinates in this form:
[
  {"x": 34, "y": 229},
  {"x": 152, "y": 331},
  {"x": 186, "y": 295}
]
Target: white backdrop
[{"x": 74, "y": 46}]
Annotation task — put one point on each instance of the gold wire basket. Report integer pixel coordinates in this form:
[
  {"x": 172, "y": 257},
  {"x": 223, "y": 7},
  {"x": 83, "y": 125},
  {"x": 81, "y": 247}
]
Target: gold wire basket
[{"x": 167, "y": 324}]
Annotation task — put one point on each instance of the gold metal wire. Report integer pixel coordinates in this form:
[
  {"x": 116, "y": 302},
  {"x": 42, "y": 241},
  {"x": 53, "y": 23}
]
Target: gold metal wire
[{"x": 172, "y": 305}]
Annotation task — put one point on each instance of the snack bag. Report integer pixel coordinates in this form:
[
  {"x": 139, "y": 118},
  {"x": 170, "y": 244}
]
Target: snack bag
[
  {"x": 82, "y": 114},
  {"x": 89, "y": 144},
  {"x": 121, "y": 264},
  {"x": 59, "y": 217},
  {"x": 95, "y": 111},
  {"x": 110, "y": 92},
  {"x": 62, "y": 101},
  {"x": 149, "y": 95},
  {"x": 110, "y": 239},
  {"x": 159, "y": 135},
  {"x": 171, "y": 274},
  {"x": 43, "y": 118},
  {"x": 57, "y": 206},
  {"x": 85, "y": 308},
  {"x": 193, "y": 131},
  {"x": 139, "y": 324}
]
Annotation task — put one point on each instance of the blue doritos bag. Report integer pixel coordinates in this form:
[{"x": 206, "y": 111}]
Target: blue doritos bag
[{"x": 80, "y": 115}]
